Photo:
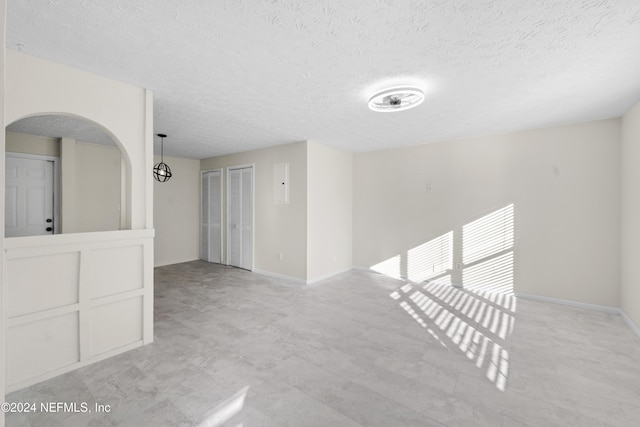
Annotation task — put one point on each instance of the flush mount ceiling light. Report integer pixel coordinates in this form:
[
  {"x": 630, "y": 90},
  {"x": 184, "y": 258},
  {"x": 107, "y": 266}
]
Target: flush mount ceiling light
[
  {"x": 162, "y": 171},
  {"x": 396, "y": 99}
]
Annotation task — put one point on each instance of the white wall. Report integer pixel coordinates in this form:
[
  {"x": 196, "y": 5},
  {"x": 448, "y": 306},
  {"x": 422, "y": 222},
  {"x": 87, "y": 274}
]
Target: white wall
[
  {"x": 279, "y": 228},
  {"x": 176, "y": 213},
  {"x": 77, "y": 298},
  {"x": 313, "y": 232},
  {"x": 329, "y": 211},
  {"x": 97, "y": 187},
  {"x": 3, "y": 292},
  {"x": 35, "y": 86},
  {"x": 630, "y": 219},
  {"x": 32, "y": 144},
  {"x": 564, "y": 185}
]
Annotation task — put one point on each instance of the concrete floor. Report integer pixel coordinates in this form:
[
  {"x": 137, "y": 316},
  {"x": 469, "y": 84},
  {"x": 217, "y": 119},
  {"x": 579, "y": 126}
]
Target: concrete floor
[{"x": 236, "y": 348}]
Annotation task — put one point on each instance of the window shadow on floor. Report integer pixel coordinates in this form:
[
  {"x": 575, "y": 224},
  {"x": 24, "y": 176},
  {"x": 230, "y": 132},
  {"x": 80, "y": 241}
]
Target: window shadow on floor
[{"x": 460, "y": 288}]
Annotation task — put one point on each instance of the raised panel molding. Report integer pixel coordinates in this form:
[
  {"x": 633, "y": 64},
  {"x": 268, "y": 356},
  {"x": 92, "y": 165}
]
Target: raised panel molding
[
  {"x": 75, "y": 299},
  {"x": 42, "y": 346},
  {"x": 40, "y": 283}
]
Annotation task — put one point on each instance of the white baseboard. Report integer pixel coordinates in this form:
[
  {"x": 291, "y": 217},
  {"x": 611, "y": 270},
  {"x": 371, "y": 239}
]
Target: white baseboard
[
  {"x": 630, "y": 322},
  {"x": 10, "y": 388},
  {"x": 327, "y": 276},
  {"x": 297, "y": 279},
  {"x": 577, "y": 304},
  {"x": 604, "y": 308},
  {"x": 368, "y": 270},
  {"x": 402, "y": 278},
  {"x": 177, "y": 262},
  {"x": 280, "y": 276}
]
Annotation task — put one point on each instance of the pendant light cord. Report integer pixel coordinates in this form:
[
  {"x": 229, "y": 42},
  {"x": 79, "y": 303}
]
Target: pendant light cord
[{"x": 162, "y": 137}]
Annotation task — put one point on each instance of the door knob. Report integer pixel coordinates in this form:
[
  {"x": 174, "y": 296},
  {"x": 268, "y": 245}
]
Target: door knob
[
  {"x": 49, "y": 220},
  {"x": 49, "y": 229}
]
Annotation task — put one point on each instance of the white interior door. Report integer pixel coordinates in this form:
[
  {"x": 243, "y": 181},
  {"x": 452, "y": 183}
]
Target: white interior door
[
  {"x": 211, "y": 217},
  {"x": 29, "y": 197},
  {"x": 240, "y": 217}
]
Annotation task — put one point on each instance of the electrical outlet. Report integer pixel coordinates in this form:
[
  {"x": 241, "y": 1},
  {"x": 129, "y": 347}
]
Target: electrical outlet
[{"x": 279, "y": 256}]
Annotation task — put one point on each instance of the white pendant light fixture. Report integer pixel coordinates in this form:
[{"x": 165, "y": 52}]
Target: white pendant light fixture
[
  {"x": 162, "y": 171},
  {"x": 396, "y": 99}
]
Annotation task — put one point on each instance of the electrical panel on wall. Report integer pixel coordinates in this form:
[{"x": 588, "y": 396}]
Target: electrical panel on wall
[{"x": 281, "y": 183}]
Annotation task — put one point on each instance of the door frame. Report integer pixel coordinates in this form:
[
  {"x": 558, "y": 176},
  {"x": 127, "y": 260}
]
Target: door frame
[
  {"x": 222, "y": 219},
  {"x": 57, "y": 191},
  {"x": 253, "y": 211}
]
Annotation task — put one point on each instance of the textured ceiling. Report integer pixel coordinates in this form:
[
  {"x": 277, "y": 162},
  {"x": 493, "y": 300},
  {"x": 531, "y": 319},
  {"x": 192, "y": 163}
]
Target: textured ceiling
[
  {"x": 234, "y": 75},
  {"x": 58, "y": 126}
]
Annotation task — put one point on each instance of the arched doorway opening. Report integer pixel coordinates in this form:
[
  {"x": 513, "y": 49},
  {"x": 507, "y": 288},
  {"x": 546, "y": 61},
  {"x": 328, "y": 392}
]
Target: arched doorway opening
[{"x": 64, "y": 174}]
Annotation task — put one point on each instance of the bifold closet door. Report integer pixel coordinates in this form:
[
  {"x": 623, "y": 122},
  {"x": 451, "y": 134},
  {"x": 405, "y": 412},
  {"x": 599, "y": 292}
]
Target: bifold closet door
[
  {"x": 240, "y": 217},
  {"x": 211, "y": 217}
]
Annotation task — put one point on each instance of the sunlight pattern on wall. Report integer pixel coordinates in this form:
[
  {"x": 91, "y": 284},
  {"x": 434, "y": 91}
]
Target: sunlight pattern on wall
[
  {"x": 430, "y": 259},
  {"x": 389, "y": 267},
  {"x": 488, "y": 235},
  {"x": 487, "y": 252},
  {"x": 483, "y": 261},
  {"x": 493, "y": 275}
]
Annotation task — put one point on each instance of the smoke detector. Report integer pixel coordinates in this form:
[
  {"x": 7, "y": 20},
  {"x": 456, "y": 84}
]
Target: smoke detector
[{"x": 396, "y": 99}]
